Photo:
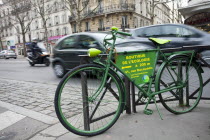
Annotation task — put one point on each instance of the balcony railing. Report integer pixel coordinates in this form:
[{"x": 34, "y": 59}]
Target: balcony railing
[
  {"x": 107, "y": 10},
  {"x": 124, "y": 26},
  {"x": 88, "y": 30},
  {"x": 126, "y": 7},
  {"x": 101, "y": 29}
]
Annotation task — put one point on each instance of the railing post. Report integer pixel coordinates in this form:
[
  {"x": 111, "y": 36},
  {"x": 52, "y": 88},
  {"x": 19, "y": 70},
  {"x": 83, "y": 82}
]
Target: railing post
[
  {"x": 133, "y": 97},
  {"x": 128, "y": 100},
  {"x": 85, "y": 101}
]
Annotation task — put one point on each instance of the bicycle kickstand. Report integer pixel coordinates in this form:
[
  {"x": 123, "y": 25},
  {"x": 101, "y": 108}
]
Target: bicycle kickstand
[
  {"x": 157, "y": 108},
  {"x": 149, "y": 111}
]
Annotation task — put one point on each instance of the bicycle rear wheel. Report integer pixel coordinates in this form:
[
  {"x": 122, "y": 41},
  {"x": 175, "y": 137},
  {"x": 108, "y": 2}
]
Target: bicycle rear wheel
[
  {"x": 78, "y": 111},
  {"x": 177, "y": 72}
]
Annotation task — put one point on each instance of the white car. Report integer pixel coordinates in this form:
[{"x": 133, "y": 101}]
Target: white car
[{"x": 6, "y": 54}]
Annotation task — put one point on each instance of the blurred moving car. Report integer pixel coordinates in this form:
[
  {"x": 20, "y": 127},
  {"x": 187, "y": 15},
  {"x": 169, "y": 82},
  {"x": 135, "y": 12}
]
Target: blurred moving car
[
  {"x": 179, "y": 34},
  {"x": 67, "y": 49},
  {"x": 6, "y": 54}
]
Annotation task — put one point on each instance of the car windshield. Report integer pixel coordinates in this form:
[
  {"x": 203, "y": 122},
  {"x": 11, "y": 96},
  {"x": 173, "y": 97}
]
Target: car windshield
[
  {"x": 42, "y": 46},
  {"x": 104, "y": 35}
]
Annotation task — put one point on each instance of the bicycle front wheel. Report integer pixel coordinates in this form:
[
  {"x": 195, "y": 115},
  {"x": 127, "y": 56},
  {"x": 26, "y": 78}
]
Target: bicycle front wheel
[
  {"x": 75, "y": 106},
  {"x": 178, "y": 71}
]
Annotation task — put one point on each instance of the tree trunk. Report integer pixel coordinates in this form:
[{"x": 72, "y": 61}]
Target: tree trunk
[
  {"x": 24, "y": 44},
  {"x": 46, "y": 38},
  {"x": 1, "y": 44},
  {"x": 79, "y": 26}
]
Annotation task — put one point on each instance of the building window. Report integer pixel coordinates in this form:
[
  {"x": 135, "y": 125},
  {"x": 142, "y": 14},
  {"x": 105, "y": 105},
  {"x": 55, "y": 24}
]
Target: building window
[
  {"x": 56, "y": 6},
  {"x": 10, "y": 31},
  {"x": 50, "y": 33},
  {"x": 147, "y": 23},
  {"x": 74, "y": 28},
  {"x": 49, "y": 22},
  {"x": 56, "y": 20},
  {"x": 48, "y": 9},
  {"x": 124, "y": 22},
  {"x": 37, "y": 24},
  {"x": 142, "y": 23},
  {"x": 64, "y": 18},
  {"x": 57, "y": 33},
  {"x": 65, "y": 30},
  {"x": 87, "y": 26},
  {"x": 135, "y": 22},
  {"x": 18, "y": 39},
  {"x": 37, "y": 35},
  {"x": 101, "y": 25}
]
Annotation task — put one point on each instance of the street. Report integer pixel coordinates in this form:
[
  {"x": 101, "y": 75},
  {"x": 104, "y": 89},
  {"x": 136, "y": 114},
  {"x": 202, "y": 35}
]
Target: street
[
  {"x": 19, "y": 69},
  {"x": 27, "y": 110}
]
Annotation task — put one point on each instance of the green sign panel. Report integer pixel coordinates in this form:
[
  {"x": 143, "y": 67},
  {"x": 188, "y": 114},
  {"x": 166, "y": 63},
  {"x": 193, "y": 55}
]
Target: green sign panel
[{"x": 139, "y": 66}]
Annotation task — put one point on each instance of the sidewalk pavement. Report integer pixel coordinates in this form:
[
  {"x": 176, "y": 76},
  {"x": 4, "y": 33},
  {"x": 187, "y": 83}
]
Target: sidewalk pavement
[
  {"x": 27, "y": 114},
  {"x": 20, "y": 57}
]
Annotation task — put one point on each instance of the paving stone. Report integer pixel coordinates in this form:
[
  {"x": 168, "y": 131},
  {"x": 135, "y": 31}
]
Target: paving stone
[
  {"x": 29, "y": 106},
  {"x": 51, "y": 108},
  {"x": 55, "y": 130},
  {"x": 42, "y": 137},
  {"x": 53, "y": 114},
  {"x": 45, "y": 111},
  {"x": 35, "y": 96},
  {"x": 44, "y": 105},
  {"x": 38, "y": 109}
]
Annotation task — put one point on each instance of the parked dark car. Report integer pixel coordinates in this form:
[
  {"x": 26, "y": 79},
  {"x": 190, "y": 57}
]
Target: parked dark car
[
  {"x": 67, "y": 49},
  {"x": 179, "y": 34}
]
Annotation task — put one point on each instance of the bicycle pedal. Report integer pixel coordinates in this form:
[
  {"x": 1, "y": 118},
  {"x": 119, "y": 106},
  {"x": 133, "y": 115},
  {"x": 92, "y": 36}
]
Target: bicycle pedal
[{"x": 148, "y": 112}]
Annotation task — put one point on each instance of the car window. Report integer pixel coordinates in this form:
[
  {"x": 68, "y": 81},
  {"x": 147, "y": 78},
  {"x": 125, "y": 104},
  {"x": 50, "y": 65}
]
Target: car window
[
  {"x": 87, "y": 41},
  {"x": 149, "y": 32},
  {"x": 10, "y": 52},
  {"x": 68, "y": 42},
  {"x": 128, "y": 44},
  {"x": 176, "y": 31}
]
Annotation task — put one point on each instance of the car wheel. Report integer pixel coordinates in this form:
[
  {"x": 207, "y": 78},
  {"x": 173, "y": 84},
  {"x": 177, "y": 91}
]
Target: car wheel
[
  {"x": 59, "y": 70},
  {"x": 15, "y": 57}
]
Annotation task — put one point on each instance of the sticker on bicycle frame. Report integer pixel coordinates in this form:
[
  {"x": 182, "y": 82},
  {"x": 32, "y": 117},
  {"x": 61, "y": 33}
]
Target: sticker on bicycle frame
[
  {"x": 145, "y": 78},
  {"x": 139, "y": 66}
]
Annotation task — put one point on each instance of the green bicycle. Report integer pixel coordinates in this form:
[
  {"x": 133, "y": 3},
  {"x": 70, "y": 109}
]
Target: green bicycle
[{"x": 90, "y": 98}]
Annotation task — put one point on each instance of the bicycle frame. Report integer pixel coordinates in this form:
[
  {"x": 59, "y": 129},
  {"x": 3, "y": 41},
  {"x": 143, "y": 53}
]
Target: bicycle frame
[{"x": 148, "y": 94}]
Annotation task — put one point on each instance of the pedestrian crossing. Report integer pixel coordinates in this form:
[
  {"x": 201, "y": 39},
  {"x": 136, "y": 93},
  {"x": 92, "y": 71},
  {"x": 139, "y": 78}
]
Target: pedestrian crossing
[
  {"x": 9, "y": 118},
  {"x": 18, "y": 126}
]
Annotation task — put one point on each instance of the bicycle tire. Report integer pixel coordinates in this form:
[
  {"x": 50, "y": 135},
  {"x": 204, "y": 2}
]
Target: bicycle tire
[
  {"x": 71, "y": 103},
  {"x": 181, "y": 100}
]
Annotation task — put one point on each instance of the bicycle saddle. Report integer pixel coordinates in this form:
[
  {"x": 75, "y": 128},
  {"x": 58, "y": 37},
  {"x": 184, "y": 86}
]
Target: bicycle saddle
[{"x": 159, "y": 41}]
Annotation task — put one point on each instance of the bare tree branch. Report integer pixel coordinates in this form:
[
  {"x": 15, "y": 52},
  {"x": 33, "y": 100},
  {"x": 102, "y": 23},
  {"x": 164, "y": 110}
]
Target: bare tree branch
[
  {"x": 19, "y": 14},
  {"x": 77, "y": 8}
]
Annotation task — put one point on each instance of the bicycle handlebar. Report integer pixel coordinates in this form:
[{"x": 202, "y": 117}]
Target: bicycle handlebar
[{"x": 115, "y": 29}]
